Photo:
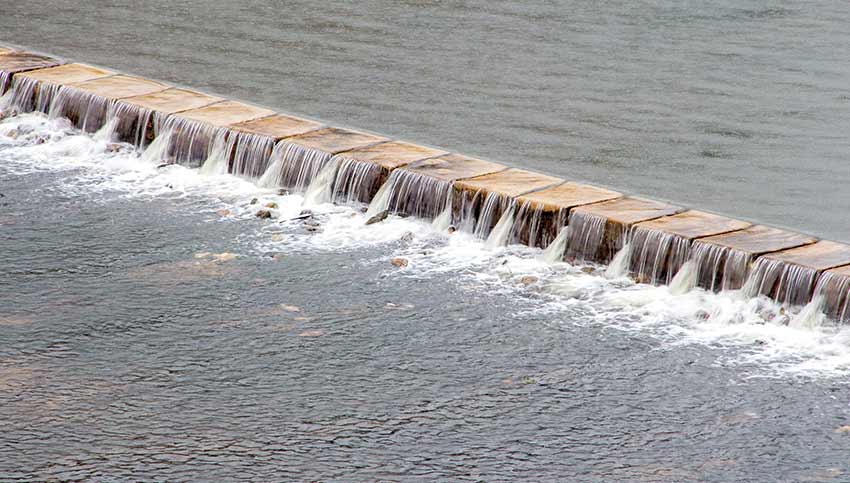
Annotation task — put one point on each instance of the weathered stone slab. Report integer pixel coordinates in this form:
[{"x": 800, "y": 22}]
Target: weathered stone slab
[
  {"x": 542, "y": 214},
  {"x": 834, "y": 284},
  {"x": 119, "y": 86},
  {"x": 14, "y": 62},
  {"x": 451, "y": 167},
  {"x": 67, "y": 74},
  {"x": 724, "y": 260},
  {"x": 372, "y": 165},
  {"x": 612, "y": 219},
  {"x": 333, "y": 140},
  {"x": 478, "y": 203},
  {"x": 789, "y": 276},
  {"x": 277, "y": 126},
  {"x": 172, "y": 100},
  {"x": 6, "y": 50},
  {"x": 139, "y": 115},
  {"x": 661, "y": 246},
  {"x": 225, "y": 113}
]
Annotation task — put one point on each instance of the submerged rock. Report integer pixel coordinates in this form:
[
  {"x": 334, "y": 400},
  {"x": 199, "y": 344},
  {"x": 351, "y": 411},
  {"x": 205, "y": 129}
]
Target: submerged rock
[
  {"x": 282, "y": 192},
  {"x": 254, "y": 201},
  {"x": 399, "y": 262},
  {"x": 264, "y": 214},
  {"x": 271, "y": 205},
  {"x": 223, "y": 212},
  {"x": 451, "y": 229},
  {"x": 378, "y": 218},
  {"x": 407, "y": 237},
  {"x": 528, "y": 280}
]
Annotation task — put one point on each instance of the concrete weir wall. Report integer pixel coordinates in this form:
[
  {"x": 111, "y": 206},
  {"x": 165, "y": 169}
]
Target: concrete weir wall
[{"x": 593, "y": 224}]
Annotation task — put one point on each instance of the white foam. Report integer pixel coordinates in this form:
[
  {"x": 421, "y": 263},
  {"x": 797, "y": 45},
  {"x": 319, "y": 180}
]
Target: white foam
[{"x": 750, "y": 332}]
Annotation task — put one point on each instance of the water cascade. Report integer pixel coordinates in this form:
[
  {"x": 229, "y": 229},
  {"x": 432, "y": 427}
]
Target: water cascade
[
  {"x": 250, "y": 153},
  {"x": 501, "y": 233},
  {"x": 586, "y": 235},
  {"x": 477, "y": 212},
  {"x": 555, "y": 251},
  {"x": 443, "y": 221},
  {"x": 411, "y": 193},
  {"x": 685, "y": 279},
  {"x": 85, "y": 110},
  {"x": 321, "y": 188},
  {"x": 136, "y": 125},
  {"x": 27, "y": 95},
  {"x": 293, "y": 166},
  {"x": 189, "y": 142},
  {"x": 619, "y": 266},
  {"x": 720, "y": 268},
  {"x": 656, "y": 256},
  {"x": 787, "y": 283},
  {"x": 356, "y": 181},
  {"x": 834, "y": 289},
  {"x": 536, "y": 226}
]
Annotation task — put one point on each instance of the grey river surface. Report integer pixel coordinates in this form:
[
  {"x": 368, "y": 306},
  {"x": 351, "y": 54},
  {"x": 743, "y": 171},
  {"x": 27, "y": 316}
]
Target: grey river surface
[{"x": 152, "y": 329}]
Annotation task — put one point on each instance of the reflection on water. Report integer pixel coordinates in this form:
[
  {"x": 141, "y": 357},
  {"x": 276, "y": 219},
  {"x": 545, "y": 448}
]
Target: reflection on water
[{"x": 154, "y": 328}]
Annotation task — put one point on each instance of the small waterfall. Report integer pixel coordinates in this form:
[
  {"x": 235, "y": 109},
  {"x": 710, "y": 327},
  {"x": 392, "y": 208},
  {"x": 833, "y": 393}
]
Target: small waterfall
[
  {"x": 412, "y": 194},
  {"x": 685, "y": 279},
  {"x": 5, "y": 81},
  {"x": 787, "y": 283},
  {"x": 501, "y": 233},
  {"x": 27, "y": 95},
  {"x": 619, "y": 266},
  {"x": 535, "y": 226},
  {"x": 106, "y": 134},
  {"x": 356, "y": 181},
  {"x": 812, "y": 315},
  {"x": 321, "y": 188},
  {"x": 158, "y": 150},
  {"x": 190, "y": 141},
  {"x": 443, "y": 221},
  {"x": 293, "y": 166},
  {"x": 586, "y": 236},
  {"x": 720, "y": 268},
  {"x": 250, "y": 153},
  {"x": 834, "y": 289},
  {"x": 554, "y": 253},
  {"x": 479, "y": 213},
  {"x": 136, "y": 125},
  {"x": 85, "y": 110},
  {"x": 218, "y": 157},
  {"x": 656, "y": 256}
]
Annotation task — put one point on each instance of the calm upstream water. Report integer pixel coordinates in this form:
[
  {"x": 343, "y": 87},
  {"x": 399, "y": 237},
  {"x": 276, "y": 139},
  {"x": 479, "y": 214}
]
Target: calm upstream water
[{"x": 153, "y": 329}]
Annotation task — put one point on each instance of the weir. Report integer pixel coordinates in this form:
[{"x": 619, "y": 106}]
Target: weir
[
  {"x": 651, "y": 240},
  {"x": 14, "y": 62},
  {"x": 478, "y": 203},
  {"x": 35, "y": 90},
  {"x": 296, "y": 161},
  {"x": 660, "y": 247},
  {"x": 789, "y": 276},
  {"x": 86, "y": 104},
  {"x": 723, "y": 261},
  {"x": 423, "y": 188},
  {"x": 542, "y": 214},
  {"x": 362, "y": 171}
]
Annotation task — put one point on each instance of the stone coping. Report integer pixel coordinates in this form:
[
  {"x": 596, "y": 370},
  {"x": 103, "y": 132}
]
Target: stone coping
[
  {"x": 119, "y": 86},
  {"x": 393, "y": 154},
  {"x": 759, "y": 239},
  {"x": 277, "y": 126},
  {"x": 627, "y": 211},
  {"x": 694, "y": 224},
  {"x": 567, "y": 195},
  {"x": 67, "y": 74},
  {"x": 451, "y": 167},
  {"x": 226, "y": 113},
  {"x": 511, "y": 182},
  {"x": 334, "y": 140},
  {"x": 172, "y": 100},
  {"x": 818, "y": 256},
  {"x": 15, "y": 61}
]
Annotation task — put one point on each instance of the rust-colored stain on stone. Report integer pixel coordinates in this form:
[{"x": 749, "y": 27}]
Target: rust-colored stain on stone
[
  {"x": 822, "y": 255},
  {"x": 567, "y": 195},
  {"x": 119, "y": 86},
  {"x": 759, "y": 239},
  {"x": 451, "y": 167},
  {"x": 393, "y": 154},
  {"x": 277, "y": 126},
  {"x": 67, "y": 74},
  {"x": 511, "y": 182},
  {"x": 16, "y": 61},
  {"x": 223, "y": 114},
  {"x": 695, "y": 224},
  {"x": 629, "y": 210},
  {"x": 334, "y": 140},
  {"x": 172, "y": 100}
]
